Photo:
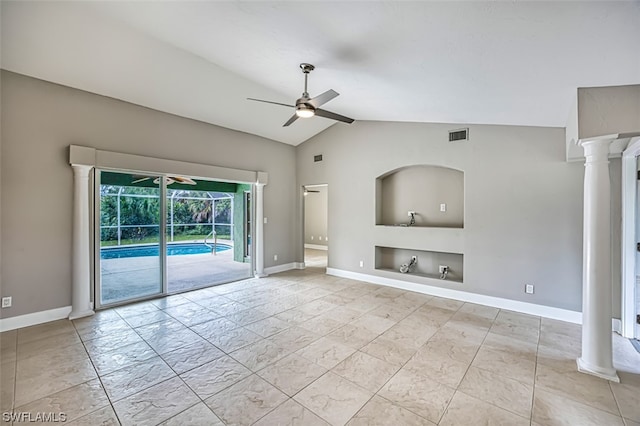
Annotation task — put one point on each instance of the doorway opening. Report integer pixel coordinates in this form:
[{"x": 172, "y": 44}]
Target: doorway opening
[
  {"x": 630, "y": 312},
  {"x": 316, "y": 235},
  {"x": 162, "y": 234}
]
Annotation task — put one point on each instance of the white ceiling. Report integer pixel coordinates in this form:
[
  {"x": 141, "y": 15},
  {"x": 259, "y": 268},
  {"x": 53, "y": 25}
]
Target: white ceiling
[{"x": 513, "y": 63}]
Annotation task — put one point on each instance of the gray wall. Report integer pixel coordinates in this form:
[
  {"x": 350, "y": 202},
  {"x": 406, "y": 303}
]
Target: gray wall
[
  {"x": 607, "y": 110},
  {"x": 522, "y": 200},
  {"x": 421, "y": 189},
  {"x": 315, "y": 216},
  {"x": 40, "y": 120}
]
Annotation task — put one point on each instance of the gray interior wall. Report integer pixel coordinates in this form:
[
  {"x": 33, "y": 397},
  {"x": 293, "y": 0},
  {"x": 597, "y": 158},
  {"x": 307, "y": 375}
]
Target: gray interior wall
[
  {"x": 315, "y": 216},
  {"x": 40, "y": 120},
  {"x": 422, "y": 189},
  {"x": 523, "y": 203},
  {"x": 607, "y": 110}
]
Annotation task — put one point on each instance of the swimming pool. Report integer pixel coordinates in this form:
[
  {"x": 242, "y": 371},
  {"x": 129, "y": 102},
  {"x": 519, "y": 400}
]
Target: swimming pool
[{"x": 153, "y": 250}]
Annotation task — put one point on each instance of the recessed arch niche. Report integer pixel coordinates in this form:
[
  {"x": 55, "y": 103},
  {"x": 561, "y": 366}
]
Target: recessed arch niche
[{"x": 423, "y": 189}]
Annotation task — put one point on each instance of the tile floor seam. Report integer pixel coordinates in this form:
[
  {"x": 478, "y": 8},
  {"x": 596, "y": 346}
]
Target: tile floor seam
[
  {"x": 615, "y": 398},
  {"x": 535, "y": 378},
  {"x": 403, "y": 407},
  {"x": 465, "y": 373},
  {"x": 112, "y": 402}
]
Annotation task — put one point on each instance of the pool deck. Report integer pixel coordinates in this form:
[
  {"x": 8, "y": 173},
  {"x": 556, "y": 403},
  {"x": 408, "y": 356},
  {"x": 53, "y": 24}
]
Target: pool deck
[{"x": 140, "y": 276}]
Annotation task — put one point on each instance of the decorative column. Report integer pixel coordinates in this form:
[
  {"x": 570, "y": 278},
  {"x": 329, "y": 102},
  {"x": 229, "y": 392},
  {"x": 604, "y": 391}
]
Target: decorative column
[
  {"x": 597, "y": 350},
  {"x": 81, "y": 276},
  {"x": 259, "y": 237}
]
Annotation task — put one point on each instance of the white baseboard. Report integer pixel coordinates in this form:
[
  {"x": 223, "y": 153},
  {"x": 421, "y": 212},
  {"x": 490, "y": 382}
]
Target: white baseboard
[
  {"x": 316, "y": 247},
  {"x": 281, "y": 268},
  {"x": 299, "y": 265},
  {"x": 616, "y": 325},
  {"x": 35, "y": 318},
  {"x": 496, "y": 302}
]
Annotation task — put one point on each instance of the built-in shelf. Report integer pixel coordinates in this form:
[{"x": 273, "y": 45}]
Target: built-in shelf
[
  {"x": 429, "y": 278},
  {"x": 389, "y": 259},
  {"x": 434, "y": 193},
  {"x": 448, "y": 240}
]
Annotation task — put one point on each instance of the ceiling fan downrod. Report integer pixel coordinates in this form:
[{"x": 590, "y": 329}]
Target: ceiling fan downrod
[{"x": 306, "y": 69}]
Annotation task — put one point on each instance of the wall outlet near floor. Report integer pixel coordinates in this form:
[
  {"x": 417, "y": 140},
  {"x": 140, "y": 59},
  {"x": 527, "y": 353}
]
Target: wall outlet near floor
[
  {"x": 362, "y": 263},
  {"x": 275, "y": 257},
  {"x": 528, "y": 288},
  {"x": 443, "y": 268},
  {"x": 6, "y": 302}
]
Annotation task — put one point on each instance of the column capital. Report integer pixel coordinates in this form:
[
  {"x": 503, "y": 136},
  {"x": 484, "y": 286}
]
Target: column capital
[
  {"x": 597, "y": 149},
  {"x": 81, "y": 169}
]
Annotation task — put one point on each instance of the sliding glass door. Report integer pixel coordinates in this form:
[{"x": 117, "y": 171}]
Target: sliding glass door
[
  {"x": 168, "y": 234},
  {"x": 130, "y": 237}
]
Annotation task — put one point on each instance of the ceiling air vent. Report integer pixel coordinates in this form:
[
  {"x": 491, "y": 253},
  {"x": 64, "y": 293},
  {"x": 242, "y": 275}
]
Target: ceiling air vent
[
  {"x": 459, "y": 135},
  {"x": 317, "y": 158}
]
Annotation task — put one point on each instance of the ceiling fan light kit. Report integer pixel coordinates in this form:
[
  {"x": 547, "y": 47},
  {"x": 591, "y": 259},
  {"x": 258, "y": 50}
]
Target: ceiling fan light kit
[{"x": 307, "y": 107}]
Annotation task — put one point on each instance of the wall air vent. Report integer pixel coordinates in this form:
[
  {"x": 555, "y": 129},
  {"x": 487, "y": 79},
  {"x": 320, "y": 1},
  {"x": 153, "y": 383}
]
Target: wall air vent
[
  {"x": 459, "y": 135},
  {"x": 317, "y": 158}
]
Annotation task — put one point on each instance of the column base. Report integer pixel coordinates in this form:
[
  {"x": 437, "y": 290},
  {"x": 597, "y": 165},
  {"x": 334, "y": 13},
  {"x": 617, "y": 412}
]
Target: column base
[
  {"x": 604, "y": 373},
  {"x": 80, "y": 314},
  {"x": 261, "y": 275}
]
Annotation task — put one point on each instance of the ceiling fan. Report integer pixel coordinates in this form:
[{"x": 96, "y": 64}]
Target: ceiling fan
[
  {"x": 170, "y": 179},
  {"x": 308, "y": 107}
]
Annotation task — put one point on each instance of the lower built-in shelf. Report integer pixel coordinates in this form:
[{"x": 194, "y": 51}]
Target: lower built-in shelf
[{"x": 389, "y": 260}]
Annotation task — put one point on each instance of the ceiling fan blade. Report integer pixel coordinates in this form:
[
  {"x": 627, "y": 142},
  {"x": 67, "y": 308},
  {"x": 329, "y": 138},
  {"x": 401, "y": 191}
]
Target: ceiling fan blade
[
  {"x": 140, "y": 179},
  {"x": 183, "y": 180},
  {"x": 293, "y": 118},
  {"x": 333, "y": 116},
  {"x": 323, "y": 98},
  {"x": 270, "y": 102}
]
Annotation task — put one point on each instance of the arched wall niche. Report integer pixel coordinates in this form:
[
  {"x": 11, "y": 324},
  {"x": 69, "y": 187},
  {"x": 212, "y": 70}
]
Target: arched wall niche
[{"x": 424, "y": 189}]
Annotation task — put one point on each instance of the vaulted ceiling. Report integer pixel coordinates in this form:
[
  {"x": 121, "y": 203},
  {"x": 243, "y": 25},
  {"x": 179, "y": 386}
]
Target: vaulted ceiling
[{"x": 515, "y": 63}]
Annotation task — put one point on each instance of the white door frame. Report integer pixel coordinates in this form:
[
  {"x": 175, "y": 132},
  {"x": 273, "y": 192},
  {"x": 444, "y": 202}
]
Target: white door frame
[{"x": 628, "y": 237}]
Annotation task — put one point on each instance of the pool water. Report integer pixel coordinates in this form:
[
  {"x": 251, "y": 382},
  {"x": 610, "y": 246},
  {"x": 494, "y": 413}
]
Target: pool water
[{"x": 154, "y": 250}]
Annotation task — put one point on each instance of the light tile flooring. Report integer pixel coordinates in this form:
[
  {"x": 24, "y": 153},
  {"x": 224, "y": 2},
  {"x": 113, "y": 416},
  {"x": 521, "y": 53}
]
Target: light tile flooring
[{"x": 304, "y": 348}]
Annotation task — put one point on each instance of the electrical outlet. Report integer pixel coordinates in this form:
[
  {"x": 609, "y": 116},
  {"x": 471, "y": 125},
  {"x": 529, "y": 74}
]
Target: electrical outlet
[
  {"x": 275, "y": 257},
  {"x": 414, "y": 258},
  {"x": 6, "y": 302},
  {"x": 411, "y": 213},
  {"x": 442, "y": 268},
  {"x": 528, "y": 288},
  {"x": 266, "y": 220},
  {"x": 320, "y": 238},
  {"x": 443, "y": 207},
  {"x": 362, "y": 263}
]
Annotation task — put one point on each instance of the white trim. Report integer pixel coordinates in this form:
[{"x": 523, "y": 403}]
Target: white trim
[
  {"x": 281, "y": 268},
  {"x": 628, "y": 238},
  {"x": 299, "y": 265},
  {"x": 616, "y": 325},
  {"x": 108, "y": 160},
  {"x": 35, "y": 318},
  {"x": 316, "y": 247},
  {"x": 496, "y": 302}
]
